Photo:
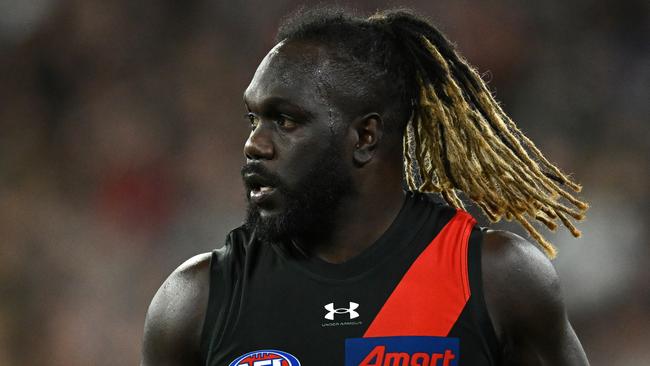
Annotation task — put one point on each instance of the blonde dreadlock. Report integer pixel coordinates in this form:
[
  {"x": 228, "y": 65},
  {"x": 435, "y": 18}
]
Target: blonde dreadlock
[
  {"x": 470, "y": 145},
  {"x": 458, "y": 139}
]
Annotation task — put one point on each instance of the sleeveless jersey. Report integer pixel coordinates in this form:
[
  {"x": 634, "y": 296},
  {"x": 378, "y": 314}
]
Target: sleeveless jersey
[{"x": 412, "y": 298}]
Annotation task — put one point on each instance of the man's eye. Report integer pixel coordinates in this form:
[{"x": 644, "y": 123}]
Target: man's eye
[
  {"x": 286, "y": 122},
  {"x": 253, "y": 120}
]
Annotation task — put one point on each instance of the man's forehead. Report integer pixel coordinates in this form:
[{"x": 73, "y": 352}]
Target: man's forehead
[
  {"x": 301, "y": 54},
  {"x": 290, "y": 64}
]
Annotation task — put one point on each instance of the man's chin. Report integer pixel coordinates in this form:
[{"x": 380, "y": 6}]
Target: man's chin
[
  {"x": 270, "y": 214},
  {"x": 268, "y": 225}
]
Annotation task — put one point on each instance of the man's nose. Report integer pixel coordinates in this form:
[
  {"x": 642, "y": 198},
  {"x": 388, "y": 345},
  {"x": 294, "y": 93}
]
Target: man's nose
[{"x": 259, "y": 145}]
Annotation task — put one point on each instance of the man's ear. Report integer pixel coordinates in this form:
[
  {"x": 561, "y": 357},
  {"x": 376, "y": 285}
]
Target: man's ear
[{"x": 368, "y": 131}]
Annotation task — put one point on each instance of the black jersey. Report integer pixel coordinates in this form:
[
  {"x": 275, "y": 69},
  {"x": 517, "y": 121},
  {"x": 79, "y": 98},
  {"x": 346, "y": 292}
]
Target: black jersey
[{"x": 413, "y": 298}]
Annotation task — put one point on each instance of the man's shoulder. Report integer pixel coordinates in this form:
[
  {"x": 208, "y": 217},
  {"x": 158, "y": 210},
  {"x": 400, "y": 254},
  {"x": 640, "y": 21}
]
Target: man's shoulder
[
  {"x": 182, "y": 288},
  {"x": 175, "y": 317},
  {"x": 520, "y": 282},
  {"x": 183, "y": 296},
  {"x": 509, "y": 257},
  {"x": 191, "y": 280},
  {"x": 193, "y": 267},
  {"x": 191, "y": 274}
]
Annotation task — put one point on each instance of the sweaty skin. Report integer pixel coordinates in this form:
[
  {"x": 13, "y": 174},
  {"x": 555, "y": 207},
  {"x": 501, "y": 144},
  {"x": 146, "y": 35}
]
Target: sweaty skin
[{"x": 294, "y": 115}]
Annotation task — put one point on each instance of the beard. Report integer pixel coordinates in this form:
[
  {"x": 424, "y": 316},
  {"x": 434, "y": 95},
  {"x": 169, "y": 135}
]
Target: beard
[{"x": 309, "y": 206}]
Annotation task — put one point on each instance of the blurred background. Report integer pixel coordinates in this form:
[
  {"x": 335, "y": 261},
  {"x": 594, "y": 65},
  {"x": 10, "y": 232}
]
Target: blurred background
[{"x": 121, "y": 136}]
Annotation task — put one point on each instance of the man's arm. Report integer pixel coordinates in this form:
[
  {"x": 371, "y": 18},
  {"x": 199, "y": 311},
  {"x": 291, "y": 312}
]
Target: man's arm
[
  {"x": 522, "y": 292},
  {"x": 172, "y": 329}
]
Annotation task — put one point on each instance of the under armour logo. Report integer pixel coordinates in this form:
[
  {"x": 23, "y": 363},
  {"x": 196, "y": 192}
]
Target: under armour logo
[{"x": 351, "y": 310}]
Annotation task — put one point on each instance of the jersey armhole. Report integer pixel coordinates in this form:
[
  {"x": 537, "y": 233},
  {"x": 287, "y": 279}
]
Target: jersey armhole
[
  {"x": 209, "y": 318},
  {"x": 479, "y": 306},
  {"x": 225, "y": 268}
]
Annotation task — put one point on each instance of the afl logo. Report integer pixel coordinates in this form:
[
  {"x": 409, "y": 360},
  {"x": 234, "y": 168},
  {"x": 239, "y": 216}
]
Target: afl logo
[{"x": 266, "y": 357}]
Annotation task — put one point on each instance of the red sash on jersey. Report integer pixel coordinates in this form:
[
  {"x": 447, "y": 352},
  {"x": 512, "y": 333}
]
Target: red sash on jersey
[{"x": 433, "y": 292}]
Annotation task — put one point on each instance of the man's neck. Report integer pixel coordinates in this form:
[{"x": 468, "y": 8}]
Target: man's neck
[{"x": 360, "y": 222}]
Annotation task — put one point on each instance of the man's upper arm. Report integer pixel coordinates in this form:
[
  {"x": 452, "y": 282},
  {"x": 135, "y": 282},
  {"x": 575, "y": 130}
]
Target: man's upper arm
[
  {"x": 524, "y": 300},
  {"x": 175, "y": 317}
]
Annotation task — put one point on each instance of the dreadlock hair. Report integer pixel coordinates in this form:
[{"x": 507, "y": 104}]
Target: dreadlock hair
[{"x": 457, "y": 138}]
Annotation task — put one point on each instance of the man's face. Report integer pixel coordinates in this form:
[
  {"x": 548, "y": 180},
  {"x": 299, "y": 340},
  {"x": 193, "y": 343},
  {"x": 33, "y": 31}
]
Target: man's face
[{"x": 296, "y": 171}]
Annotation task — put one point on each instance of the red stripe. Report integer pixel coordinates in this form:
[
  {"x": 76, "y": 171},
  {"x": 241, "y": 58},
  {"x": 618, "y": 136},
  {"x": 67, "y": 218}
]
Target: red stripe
[{"x": 433, "y": 292}]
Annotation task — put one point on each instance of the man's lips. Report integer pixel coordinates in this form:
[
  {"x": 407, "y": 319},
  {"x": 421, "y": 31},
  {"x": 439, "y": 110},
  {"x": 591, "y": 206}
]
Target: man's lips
[
  {"x": 258, "y": 186},
  {"x": 259, "y": 194}
]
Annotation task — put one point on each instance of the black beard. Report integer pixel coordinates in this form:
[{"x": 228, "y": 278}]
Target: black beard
[{"x": 310, "y": 206}]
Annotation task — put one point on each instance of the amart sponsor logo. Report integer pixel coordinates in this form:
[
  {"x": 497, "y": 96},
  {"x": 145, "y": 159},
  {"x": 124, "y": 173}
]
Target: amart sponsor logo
[{"x": 402, "y": 351}]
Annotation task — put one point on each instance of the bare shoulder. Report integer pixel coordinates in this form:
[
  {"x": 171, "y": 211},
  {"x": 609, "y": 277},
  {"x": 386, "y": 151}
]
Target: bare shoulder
[
  {"x": 525, "y": 303},
  {"x": 516, "y": 273},
  {"x": 518, "y": 266},
  {"x": 175, "y": 317}
]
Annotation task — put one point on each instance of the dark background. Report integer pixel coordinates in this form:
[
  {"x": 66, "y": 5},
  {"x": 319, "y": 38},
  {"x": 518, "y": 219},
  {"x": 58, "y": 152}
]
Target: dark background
[{"x": 121, "y": 136}]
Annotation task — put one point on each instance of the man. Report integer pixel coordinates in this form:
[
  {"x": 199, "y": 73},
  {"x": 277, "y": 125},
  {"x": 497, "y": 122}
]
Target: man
[{"x": 337, "y": 264}]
